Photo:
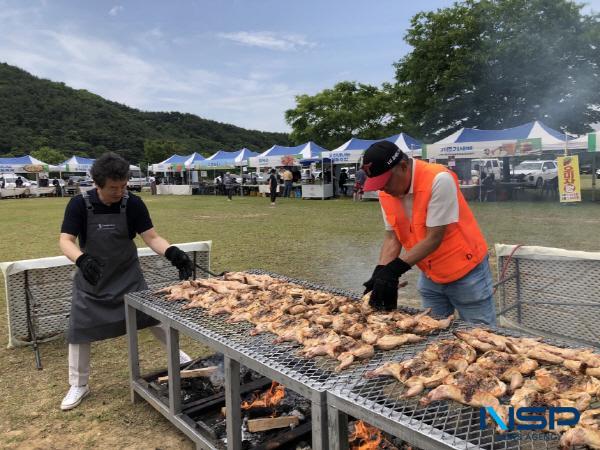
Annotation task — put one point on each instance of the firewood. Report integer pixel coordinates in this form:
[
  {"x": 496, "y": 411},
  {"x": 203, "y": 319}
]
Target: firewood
[
  {"x": 194, "y": 373},
  {"x": 270, "y": 423}
]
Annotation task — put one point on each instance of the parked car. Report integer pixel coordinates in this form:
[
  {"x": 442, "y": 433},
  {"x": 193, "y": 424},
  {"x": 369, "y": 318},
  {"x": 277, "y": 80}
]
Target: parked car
[
  {"x": 534, "y": 173},
  {"x": 11, "y": 178},
  {"x": 488, "y": 166},
  {"x": 137, "y": 183},
  {"x": 80, "y": 181},
  {"x": 585, "y": 169}
]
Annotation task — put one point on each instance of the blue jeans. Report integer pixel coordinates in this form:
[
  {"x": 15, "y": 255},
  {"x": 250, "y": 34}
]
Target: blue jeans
[
  {"x": 287, "y": 188},
  {"x": 471, "y": 295}
]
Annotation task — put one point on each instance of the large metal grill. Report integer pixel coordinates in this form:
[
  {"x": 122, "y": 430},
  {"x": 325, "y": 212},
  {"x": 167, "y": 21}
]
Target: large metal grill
[
  {"x": 316, "y": 373},
  {"x": 445, "y": 424}
]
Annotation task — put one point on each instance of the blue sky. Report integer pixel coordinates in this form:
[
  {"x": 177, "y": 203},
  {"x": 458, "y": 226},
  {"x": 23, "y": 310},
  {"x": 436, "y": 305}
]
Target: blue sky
[{"x": 239, "y": 62}]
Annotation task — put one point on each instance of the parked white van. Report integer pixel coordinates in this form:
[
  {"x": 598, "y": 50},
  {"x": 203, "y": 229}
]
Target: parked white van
[
  {"x": 487, "y": 166},
  {"x": 11, "y": 178}
]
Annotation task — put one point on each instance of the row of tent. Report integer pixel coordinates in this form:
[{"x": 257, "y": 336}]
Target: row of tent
[
  {"x": 279, "y": 155},
  {"x": 530, "y": 138},
  {"x": 29, "y": 164}
]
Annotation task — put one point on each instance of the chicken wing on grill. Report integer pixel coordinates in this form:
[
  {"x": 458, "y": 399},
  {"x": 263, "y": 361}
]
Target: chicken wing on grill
[
  {"x": 566, "y": 383},
  {"x": 416, "y": 374},
  {"x": 427, "y": 324},
  {"x": 508, "y": 367},
  {"x": 475, "y": 386},
  {"x": 586, "y": 432},
  {"x": 349, "y": 349},
  {"x": 454, "y": 353}
]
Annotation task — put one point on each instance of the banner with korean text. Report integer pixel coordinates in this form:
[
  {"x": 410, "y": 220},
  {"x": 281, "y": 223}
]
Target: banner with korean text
[{"x": 569, "y": 187}]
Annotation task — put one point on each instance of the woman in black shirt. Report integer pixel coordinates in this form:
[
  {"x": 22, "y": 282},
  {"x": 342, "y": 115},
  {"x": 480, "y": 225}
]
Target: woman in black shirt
[{"x": 273, "y": 186}]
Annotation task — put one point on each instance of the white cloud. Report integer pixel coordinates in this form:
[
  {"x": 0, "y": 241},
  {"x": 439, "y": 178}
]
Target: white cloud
[
  {"x": 115, "y": 10},
  {"x": 253, "y": 100},
  {"x": 269, "y": 40}
]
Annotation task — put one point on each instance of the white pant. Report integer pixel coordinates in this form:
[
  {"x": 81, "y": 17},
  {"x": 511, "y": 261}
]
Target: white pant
[{"x": 79, "y": 358}]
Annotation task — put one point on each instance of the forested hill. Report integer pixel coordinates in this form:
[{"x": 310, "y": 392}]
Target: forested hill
[{"x": 37, "y": 113}]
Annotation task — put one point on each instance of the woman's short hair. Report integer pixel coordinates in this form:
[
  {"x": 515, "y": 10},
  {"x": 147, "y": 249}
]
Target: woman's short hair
[{"x": 109, "y": 166}]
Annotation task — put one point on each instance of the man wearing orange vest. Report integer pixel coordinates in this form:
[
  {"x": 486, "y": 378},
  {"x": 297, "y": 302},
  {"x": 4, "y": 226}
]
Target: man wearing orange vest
[{"x": 426, "y": 213}]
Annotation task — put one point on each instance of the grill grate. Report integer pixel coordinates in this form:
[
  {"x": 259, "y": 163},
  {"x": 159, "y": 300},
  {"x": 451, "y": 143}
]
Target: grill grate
[
  {"x": 316, "y": 373},
  {"x": 459, "y": 423}
]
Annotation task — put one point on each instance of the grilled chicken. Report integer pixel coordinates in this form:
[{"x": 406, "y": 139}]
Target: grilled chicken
[
  {"x": 454, "y": 353},
  {"x": 508, "y": 367},
  {"x": 531, "y": 394},
  {"x": 565, "y": 383},
  {"x": 586, "y": 432},
  {"x": 475, "y": 387},
  {"x": 391, "y": 341},
  {"x": 427, "y": 324},
  {"x": 416, "y": 374}
]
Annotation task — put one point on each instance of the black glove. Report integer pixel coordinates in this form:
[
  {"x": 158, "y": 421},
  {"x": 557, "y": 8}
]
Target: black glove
[
  {"x": 385, "y": 285},
  {"x": 181, "y": 260},
  {"x": 369, "y": 283},
  {"x": 90, "y": 267},
  {"x": 384, "y": 295}
]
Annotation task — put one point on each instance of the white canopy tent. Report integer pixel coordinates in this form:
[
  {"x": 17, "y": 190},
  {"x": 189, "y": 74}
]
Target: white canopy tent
[
  {"x": 530, "y": 138},
  {"x": 282, "y": 156},
  {"x": 352, "y": 150}
]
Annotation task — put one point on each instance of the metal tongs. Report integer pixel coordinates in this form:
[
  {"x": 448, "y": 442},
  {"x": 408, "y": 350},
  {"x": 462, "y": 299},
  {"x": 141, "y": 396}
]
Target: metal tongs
[{"x": 212, "y": 274}]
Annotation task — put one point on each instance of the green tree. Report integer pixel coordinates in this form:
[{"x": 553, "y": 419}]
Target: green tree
[
  {"x": 156, "y": 151},
  {"x": 49, "y": 155},
  {"x": 499, "y": 63},
  {"x": 333, "y": 116}
]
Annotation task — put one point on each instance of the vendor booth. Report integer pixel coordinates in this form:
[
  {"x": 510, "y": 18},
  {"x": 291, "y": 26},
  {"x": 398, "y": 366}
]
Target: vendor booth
[
  {"x": 234, "y": 162},
  {"x": 173, "y": 169},
  {"x": 282, "y": 156},
  {"x": 25, "y": 165},
  {"x": 529, "y": 139},
  {"x": 317, "y": 178},
  {"x": 470, "y": 151},
  {"x": 351, "y": 151}
]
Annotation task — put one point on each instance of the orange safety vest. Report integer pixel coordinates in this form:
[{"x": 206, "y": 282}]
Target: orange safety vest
[{"x": 463, "y": 246}]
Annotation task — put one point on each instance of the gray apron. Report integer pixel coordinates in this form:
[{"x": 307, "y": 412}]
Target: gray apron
[{"x": 98, "y": 312}]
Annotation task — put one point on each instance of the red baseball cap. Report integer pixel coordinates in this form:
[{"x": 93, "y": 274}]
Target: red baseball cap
[{"x": 378, "y": 161}]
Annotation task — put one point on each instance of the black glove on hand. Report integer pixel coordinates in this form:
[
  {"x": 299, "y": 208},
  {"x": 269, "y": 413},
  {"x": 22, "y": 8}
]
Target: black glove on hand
[
  {"x": 384, "y": 294},
  {"x": 371, "y": 281},
  {"x": 392, "y": 270},
  {"x": 90, "y": 267},
  {"x": 181, "y": 260}
]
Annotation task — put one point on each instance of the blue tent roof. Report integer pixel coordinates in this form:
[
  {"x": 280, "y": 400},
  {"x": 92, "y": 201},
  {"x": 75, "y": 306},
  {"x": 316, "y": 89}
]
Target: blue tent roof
[
  {"x": 80, "y": 160},
  {"x": 175, "y": 159},
  {"x": 520, "y": 132},
  {"x": 280, "y": 150},
  {"x": 19, "y": 160},
  {"x": 194, "y": 157}
]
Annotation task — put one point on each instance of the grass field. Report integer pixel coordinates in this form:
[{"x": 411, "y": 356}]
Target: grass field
[{"x": 335, "y": 242}]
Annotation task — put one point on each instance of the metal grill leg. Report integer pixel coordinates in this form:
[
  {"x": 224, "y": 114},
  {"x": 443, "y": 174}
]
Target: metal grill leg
[
  {"x": 319, "y": 426},
  {"x": 232, "y": 404},
  {"x": 132, "y": 346},
  {"x": 338, "y": 429},
  {"x": 174, "y": 374}
]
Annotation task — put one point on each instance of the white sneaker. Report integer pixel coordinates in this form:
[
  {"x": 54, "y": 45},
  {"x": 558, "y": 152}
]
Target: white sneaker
[
  {"x": 184, "y": 357},
  {"x": 74, "y": 397}
]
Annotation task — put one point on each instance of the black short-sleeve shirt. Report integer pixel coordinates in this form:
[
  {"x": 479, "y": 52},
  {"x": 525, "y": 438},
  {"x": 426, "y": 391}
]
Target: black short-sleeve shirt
[{"x": 75, "y": 220}]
